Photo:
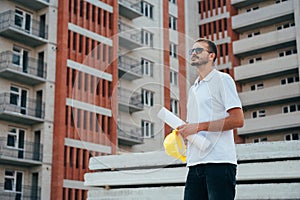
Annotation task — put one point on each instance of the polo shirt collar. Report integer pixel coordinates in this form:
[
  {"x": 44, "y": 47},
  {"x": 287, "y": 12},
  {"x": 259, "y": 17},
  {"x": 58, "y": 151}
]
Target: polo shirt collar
[{"x": 207, "y": 78}]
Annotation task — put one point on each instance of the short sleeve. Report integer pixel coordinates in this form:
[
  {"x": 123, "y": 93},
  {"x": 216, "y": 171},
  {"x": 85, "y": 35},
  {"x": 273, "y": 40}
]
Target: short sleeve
[{"x": 229, "y": 93}]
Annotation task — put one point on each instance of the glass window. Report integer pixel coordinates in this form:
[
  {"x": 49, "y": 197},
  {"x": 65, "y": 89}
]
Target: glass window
[
  {"x": 147, "y": 97},
  {"x": 173, "y": 50},
  {"x": 295, "y": 136},
  {"x": 288, "y": 137},
  {"x": 292, "y": 108},
  {"x": 147, "y": 38},
  {"x": 147, "y": 129},
  {"x": 175, "y": 106},
  {"x": 290, "y": 79},
  {"x": 264, "y": 139},
  {"x": 172, "y": 22},
  {"x": 147, "y": 67},
  {"x": 173, "y": 77},
  {"x": 285, "y": 109},
  {"x": 147, "y": 9},
  {"x": 261, "y": 113},
  {"x": 9, "y": 180},
  {"x": 17, "y": 56},
  {"x": 260, "y": 86}
]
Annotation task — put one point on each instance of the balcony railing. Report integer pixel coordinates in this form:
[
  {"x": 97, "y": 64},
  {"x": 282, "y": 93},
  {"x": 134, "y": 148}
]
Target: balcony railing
[
  {"x": 24, "y": 192},
  {"x": 31, "y": 71},
  {"x": 129, "y": 134},
  {"x": 30, "y": 151},
  {"x": 32, "y": 112},
  {"x": 129, "y": 100},
  {"x": 262, "y": 17},
  {"x": 266, "y": 68},
  {"x": 267, "y": 124},
  {"x": 130, "y": 9},
  {"x": 270, "y": 95},
  {"x": 129, "y": 68},
  {"x": 33, "y": 4},
  {"x": 243, "y": 3},
  {"x": 129, "y": 37},
  {"x": 32, "y": 33},
  {"x": 265, "y": 42}
]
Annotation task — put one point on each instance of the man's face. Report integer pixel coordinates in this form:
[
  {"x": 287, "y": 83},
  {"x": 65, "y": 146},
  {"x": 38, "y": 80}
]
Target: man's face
[{"x": 199, "y": 55}]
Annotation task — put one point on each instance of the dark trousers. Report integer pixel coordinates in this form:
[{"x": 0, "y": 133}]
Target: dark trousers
[{"x": 213, "y": 181}]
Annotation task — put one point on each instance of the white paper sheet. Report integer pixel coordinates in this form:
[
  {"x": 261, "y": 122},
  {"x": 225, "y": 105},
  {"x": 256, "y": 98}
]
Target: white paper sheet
[{"x": 172, "y": 120}]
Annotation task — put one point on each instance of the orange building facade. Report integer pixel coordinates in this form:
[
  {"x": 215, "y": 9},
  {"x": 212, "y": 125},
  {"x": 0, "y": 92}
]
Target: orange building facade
[{"x": 84, "y": 99}]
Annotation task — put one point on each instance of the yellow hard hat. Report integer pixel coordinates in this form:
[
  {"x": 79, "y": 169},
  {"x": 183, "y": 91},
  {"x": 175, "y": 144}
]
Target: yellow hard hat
[{"x": 174, "y": 146}]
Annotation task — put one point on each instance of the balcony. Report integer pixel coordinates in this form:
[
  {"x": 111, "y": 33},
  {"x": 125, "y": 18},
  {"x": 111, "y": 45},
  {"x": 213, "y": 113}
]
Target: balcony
[
  {"x": 243, "y": 3},
  {"x": 129, "y": 9},
  {"x": 270, "y": 123},
  {"x": 262, "y": 17},
  {"x": 33, "y": 4},
  {"x": 129, "y": 68},
  {"x": 265, "y": 42},
  {"x": 30, "y": 155},
  {"x": 30, "y": 72},
  {"x": 29, "y": 32},
  {"x": 270, "y": 95},
  {"x": 129, "y": 101},
  {"x": 129, "y": 134},
  {"x": 267, "y": 68},
  {"x": 31, "y": 112},
  {"x": 24, "y": 192},
  {"x": 129, "y": 37}
]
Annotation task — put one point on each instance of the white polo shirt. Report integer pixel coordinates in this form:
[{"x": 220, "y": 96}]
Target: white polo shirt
[{"x": 209, "y": 100}]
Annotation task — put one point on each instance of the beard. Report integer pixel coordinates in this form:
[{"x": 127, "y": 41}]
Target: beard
[{"x": 197, "y": 62}]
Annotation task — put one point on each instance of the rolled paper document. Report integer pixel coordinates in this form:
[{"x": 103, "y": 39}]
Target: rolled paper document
[{"x": 172, "y": 120}]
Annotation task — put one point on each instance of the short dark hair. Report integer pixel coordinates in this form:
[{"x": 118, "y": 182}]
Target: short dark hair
[{"x": 211, "y": 46}]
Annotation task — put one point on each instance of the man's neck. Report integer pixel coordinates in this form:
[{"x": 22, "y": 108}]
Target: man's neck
[{"x": 203, "y": 71}]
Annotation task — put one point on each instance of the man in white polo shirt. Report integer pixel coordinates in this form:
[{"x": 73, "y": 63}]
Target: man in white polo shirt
[{"x": 213, "y": 111}]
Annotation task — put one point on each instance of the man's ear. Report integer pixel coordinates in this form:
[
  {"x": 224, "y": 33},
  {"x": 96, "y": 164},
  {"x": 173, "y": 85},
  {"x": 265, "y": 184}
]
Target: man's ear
[{"x": 212, "y": 56}]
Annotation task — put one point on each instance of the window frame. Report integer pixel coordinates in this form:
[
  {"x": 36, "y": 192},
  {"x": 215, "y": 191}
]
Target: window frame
[
  {"x": 291, "y": 135},
  {"x": 173, "y": 50},
  {"x": 173, "y": 22},
  {"x": 147, "y": 67},
  {"x": 147, "y": 9},
  {"x": 147, "y": 129},
  {"x": 174, "y": 105},
  {"x": 147, "y": 38},
  {"x": 173, "y": 77},
  {"x": 14, "y": 180},
  {"x": 147, "y": 97}
]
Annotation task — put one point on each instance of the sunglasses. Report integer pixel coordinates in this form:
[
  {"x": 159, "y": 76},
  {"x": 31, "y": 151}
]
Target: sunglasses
[{"x": 198, "y": 50}]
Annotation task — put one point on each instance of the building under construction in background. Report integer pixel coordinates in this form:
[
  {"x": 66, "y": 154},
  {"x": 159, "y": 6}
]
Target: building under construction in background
[{"x": 83, "y": 78}]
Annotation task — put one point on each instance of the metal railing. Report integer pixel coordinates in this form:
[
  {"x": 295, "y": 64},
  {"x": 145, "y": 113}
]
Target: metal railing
[
  {"x": 130, "y": 132},
  {"x": 8, "y": 19},
  {"x": 31, "y": 150},
  {"x": 136, "y": 5},
  {"x": 33, "y": 107},
  {"x": 27, "y": 192},
  {"x": 129, "y": 64},
  {"x": 130, "y": 32},
  {"x": 130, "y": 97},
  {"x": 32, "y": 66}
]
